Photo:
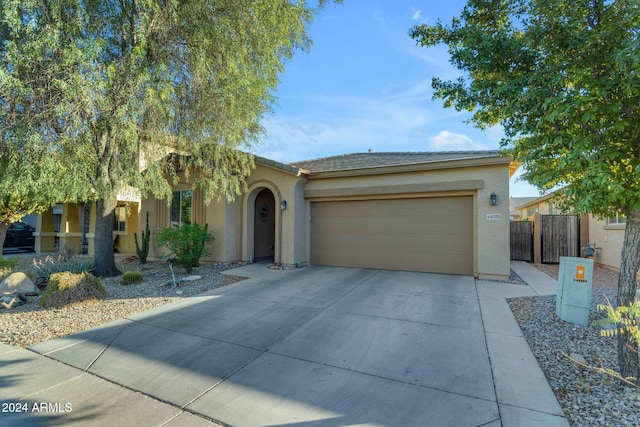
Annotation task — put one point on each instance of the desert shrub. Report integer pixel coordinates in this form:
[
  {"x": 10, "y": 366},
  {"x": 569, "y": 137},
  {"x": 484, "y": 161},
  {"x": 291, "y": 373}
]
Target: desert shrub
[
  {"x": 44, "y": 268},
  {"x": 7, "y": 266},
  {"x": 8, "y": 263},
  {"x": 625, "y": 319},
  {"x": 66, "y": 288},
  {"x": 187, "y": 243},
  {"x": 130, "y": 277}
]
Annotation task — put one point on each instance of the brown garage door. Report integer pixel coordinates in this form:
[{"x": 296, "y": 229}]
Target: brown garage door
[{"x": 426, "y": 234}]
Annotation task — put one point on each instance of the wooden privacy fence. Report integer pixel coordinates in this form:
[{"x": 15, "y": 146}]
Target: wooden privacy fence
[
  {"x": 547, "y": 238},
  {"x": 521, "y": 241},
  {"x": 560, "y": 236}
]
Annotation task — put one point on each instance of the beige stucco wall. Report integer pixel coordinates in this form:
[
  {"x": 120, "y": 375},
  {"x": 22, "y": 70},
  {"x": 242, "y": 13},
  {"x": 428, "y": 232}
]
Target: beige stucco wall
[
  {"x": 491, "y": 236},
  {"x": 543, "y": 208},
  {"x": 608, "y": 239},
  {"x": 492, "y": 244},
  {"x": 220, "y": 216},
  {"x": 290, "y": 243},
  {"x": 232, "y": 222},
  {"x": 125, "y": 241}
]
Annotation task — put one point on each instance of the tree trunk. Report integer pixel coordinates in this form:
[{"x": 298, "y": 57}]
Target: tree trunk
[
  {"x": 104, "y": 259},
  {"x": 3, "y": 236},
  {"x": 627, "y": 285}
]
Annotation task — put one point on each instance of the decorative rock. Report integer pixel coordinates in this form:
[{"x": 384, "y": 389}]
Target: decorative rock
[
  {"x": 18, "y": 283},
  {"x": 191, "y": 278},
  {"x": 12, "y": 301},
  {"x": 578, "y": 358}
]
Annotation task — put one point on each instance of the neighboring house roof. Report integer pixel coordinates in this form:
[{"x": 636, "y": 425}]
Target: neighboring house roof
[
  {"x": 516, "y": 202},
  {"x": 347, "y": 162},
  {"x": 541, "y": 199}
]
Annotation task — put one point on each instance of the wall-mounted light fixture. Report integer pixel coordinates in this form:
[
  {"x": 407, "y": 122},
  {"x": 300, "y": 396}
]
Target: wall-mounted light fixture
[
  {"x": 494, "y": 199},
  {"x": 283, "y": 205}
]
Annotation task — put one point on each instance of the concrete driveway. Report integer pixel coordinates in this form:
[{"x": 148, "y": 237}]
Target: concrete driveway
[{"x": 328, "y": 347}]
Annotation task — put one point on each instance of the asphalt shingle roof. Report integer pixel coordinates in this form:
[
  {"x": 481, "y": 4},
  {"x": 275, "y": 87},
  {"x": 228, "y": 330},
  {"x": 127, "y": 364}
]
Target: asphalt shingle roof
[{"x": 374, "y": 160}]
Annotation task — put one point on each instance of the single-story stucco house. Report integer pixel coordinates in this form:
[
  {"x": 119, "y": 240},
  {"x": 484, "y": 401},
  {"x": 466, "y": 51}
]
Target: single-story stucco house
[
  {"x": 417, "y": 211},
  {"x": 444, "y": 212}
]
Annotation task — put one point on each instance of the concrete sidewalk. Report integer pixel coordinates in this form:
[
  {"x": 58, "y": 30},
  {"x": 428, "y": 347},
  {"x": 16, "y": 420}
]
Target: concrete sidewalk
[
  {"x": 523, "y": 393},
  {"x": 318, "y": 346}
]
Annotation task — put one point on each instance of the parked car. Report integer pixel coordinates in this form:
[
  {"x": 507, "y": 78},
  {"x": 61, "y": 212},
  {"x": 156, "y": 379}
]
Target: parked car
[{"x": 20, "y": 236}]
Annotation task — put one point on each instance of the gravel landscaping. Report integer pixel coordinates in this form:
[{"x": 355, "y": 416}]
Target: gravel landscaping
[
  {"x": 29, "y": 324},
  {"x": 587, "y": 396}
]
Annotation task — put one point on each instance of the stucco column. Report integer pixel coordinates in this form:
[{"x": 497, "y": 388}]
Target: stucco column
[
  {"x": 45, "y": 232},
  {"x": 70, "y": 228}
]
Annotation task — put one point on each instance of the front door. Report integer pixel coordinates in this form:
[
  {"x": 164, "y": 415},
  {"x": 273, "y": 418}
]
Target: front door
[{"x": 264, "y": 233}]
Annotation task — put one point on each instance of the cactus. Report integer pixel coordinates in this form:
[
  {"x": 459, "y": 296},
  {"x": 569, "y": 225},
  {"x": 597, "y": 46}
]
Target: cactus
[
  {"x": 131, "y": 277},
  {"x": 143, "y": 251}
]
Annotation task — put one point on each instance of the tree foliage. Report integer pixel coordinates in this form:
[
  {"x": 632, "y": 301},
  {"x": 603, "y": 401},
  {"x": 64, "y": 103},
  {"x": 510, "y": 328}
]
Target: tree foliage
[
  {"x": 31, "y": 178},
  {"x": 115, "y": 85},
  {"x": 563, "y": 79}
]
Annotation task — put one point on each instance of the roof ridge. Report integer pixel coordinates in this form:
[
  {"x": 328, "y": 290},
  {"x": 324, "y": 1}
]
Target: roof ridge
[{"x": 395, "y": 153}]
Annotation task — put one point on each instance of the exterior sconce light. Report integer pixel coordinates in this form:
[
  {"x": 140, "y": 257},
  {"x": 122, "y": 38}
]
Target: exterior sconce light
[
  {"x": 494, "y": 199},
  {"x": 283, "y": 205}
]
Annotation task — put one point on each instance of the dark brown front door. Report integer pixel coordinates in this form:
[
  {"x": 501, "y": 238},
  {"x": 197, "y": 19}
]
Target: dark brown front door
[{"x": 264, "y": 231}]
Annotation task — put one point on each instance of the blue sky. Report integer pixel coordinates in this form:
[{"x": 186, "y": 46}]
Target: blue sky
[{"x": 366, "y": 85}]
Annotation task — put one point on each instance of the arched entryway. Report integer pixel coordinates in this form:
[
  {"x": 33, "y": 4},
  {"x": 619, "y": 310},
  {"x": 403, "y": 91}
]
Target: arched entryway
[{"x": 264, "y": 225}]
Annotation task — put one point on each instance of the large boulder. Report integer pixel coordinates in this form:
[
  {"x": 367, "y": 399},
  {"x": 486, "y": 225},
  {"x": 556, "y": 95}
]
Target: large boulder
[{"x": 17, "y": 283}]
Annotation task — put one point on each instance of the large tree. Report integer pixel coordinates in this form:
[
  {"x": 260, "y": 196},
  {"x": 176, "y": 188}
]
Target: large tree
[
  {"x": 563, "y": 79},
  {"x": 31, "y": 179},
  {"x": 117, "y": 84}
]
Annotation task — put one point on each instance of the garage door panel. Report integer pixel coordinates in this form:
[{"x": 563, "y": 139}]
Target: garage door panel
[
  {"x": 407, "y": 225},
  {"x": 392, "y": 246},
  {"x": 435, "y": 263},
  {"x": 423, "y": 234}
]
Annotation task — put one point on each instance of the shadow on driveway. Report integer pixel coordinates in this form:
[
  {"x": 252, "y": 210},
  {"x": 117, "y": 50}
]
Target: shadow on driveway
[{"x": 319, "y": 346}]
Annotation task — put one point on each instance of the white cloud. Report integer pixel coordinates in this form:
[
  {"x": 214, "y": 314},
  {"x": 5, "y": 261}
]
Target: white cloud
[
  {"x": 449, "y": 141},
  {"x": 417, "y": 15},
  {"x": 329, "y": 124}
]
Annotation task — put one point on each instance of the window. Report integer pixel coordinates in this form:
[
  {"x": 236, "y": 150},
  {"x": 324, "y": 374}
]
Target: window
[
  {"x": 618, "y": 219},
  {"x": 120, "y": 221},
  {"x": 532, "y": 211},
  {"x": 180, "y": 212}
]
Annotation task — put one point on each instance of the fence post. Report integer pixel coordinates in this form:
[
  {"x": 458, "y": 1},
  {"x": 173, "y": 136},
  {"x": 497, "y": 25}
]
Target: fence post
[{"x": 537, "y": 239}]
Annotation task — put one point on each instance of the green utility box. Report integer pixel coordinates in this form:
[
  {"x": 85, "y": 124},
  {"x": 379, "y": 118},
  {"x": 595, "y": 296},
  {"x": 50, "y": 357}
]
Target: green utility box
[{"x": 574, "y": 290}]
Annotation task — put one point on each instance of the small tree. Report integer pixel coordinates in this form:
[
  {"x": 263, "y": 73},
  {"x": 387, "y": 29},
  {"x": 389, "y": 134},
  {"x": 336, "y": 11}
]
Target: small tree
[
  {"x": 562, "y": 78},
  {"x": 187, "y": 243}
]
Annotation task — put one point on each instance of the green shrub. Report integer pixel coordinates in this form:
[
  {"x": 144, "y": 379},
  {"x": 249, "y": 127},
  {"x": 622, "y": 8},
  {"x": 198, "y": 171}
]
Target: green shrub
[
  {"x": 186, "y": 243},
  {"x": 66, "y": 288},
  {"x": 43, "y": 269},
  {"x": 625, "y": 318},
  {"x": 7, "y": 266},
  {"x": 8, "y": 263},
  {"x": 130, "y": 277}
]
